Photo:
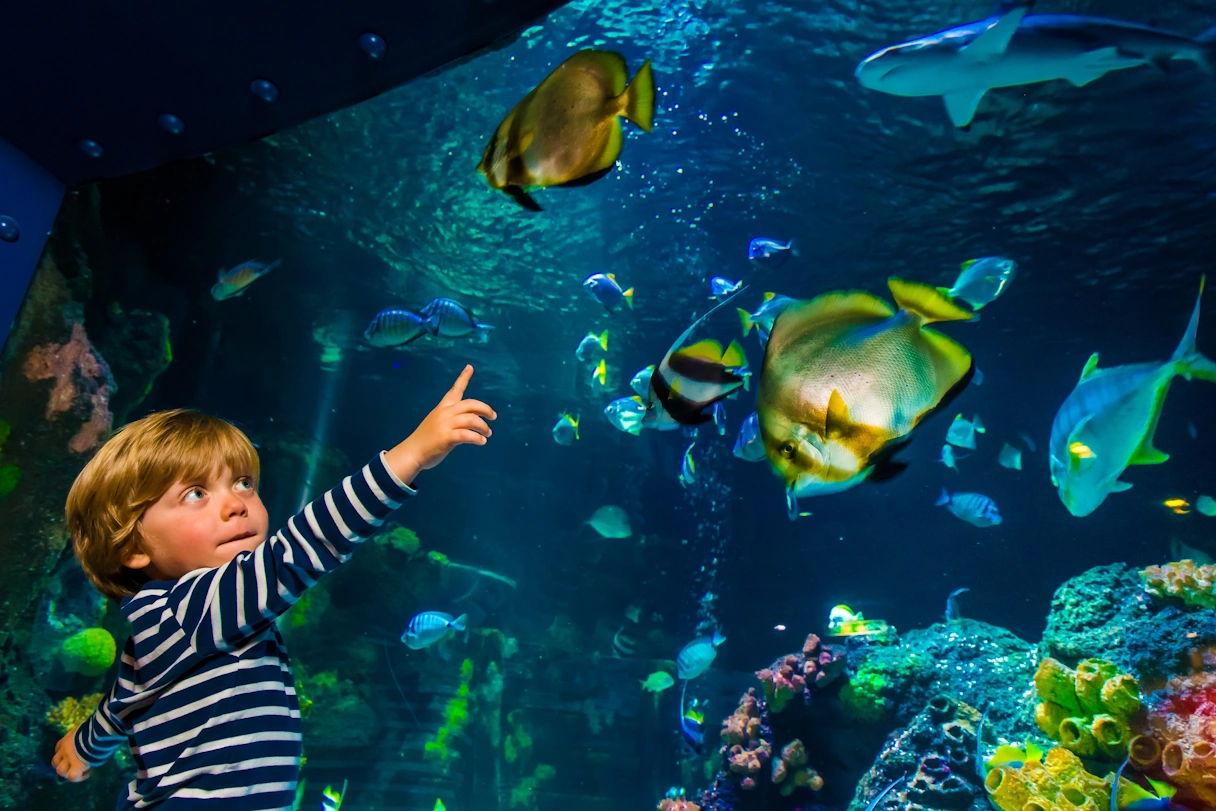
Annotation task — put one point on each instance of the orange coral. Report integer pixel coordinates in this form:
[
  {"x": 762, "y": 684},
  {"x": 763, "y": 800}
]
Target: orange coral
[
  {"x": 752, "y": 760},
  {"x": 744, "y": 724},
  {"x": 62, "y": 362},
  {"x": 791, "y": 771},
  {"x": 678, "y": 805},
  {"x": 782, "y": 685},
  {"x": 1191, "y": 583}
]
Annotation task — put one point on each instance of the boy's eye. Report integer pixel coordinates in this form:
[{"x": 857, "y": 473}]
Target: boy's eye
[
  {"x": 244, "y": 483},
  {"x": 193, "y": 494}
]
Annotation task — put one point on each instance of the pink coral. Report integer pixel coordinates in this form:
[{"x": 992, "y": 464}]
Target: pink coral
[
  {"x": 791, "y": 771},
  {"x": 1180, "y": 738},
  {"x": 63, "y": 362},
  {"x": 752, "y": 759},
  {"x": 781, "y": 685},
  {"x": 744, "y": 724}
]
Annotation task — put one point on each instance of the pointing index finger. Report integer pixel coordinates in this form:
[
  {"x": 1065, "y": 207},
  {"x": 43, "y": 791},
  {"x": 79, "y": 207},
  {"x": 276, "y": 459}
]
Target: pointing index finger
[{"x": 456, "y": 393}]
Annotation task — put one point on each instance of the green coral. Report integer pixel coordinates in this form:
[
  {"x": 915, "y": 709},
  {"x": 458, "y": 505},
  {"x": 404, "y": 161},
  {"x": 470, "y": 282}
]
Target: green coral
[
  {"x": 403, "y": 539},
  {"x": 9, "y": 474},
  {"x": 89, "y": 652},
  {"x": 525, "y": 793},
  {"x": 455, "y": 719},
  {"x": 310, "y": 605},
  {"x": 1088, "y": 710},
  {"x": 863, "y": 696}
]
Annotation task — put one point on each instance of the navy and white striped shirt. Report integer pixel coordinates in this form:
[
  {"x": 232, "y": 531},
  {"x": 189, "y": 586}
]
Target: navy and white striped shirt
[{"x": 204, "y": 695}]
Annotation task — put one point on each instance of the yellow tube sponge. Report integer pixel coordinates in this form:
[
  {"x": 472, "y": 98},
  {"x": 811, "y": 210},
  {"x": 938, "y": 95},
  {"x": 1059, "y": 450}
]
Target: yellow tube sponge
[
  {"x": 1056, "y": 783},
  {"x": 1184, "y": 579},
  {"x": 89, "y": 652},
  {"x": 1087, "y": 710}
]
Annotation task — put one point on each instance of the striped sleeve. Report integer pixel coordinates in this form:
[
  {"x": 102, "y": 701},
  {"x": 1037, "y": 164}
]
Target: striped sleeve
[
  {"x": 221, "y": 608},
  {"x": 97, "y": 738}
]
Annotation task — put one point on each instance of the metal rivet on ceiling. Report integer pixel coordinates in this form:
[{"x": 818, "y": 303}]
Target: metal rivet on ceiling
[
  {"x": 264, "y": 90},
  {"x": 373, "y": 45},
  {"x": 9, "y": 230},
  {"x": 171, "y": 124},
  {"x": 91, "y": 148}
]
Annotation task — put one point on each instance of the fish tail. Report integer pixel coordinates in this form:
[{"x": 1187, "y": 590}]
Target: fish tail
[
  {"x": 483, "y": 332},
  {"x": 928, "y": 303},
  {"x": 1190, "y": 362},
  {"x": 460, "y": 622},
  {"x": 746, "y": 318},
  {"x": 603, "y": 340},
  {"x": 574, "y": 421},
  {"x": 639, "y": 98},
  {"x": 628, "y": 294},
  {"x": 944, "y": 498},
  {"x": 600, "y": 373}
]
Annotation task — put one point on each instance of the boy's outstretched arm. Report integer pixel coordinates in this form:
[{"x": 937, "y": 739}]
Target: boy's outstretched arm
[{"x": 221, "y": 608}]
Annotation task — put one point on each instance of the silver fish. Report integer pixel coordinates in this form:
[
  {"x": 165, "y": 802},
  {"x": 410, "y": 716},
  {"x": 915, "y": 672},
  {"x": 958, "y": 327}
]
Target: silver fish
[
  {"x": 589, "y": 343},
  {"x": 696, "y": 657},
  {"x": 1010, "y": 457},
  {"x": 429, "y": 627},
  {"x": 720, "y": 287},
  {"x": 625, "y": 414},
  {"x": 962, "y": 433},
  {"x": 395, "y": 327},
  {"x": 981, "y": 281},
  {"x": 448, "y": 318},
  {"x": 974, "y": 508},
  {"x": 641, "y": 381}
]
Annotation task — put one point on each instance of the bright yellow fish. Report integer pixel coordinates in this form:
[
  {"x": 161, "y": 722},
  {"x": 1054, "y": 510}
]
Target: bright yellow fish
[{"x": 567, "y": 130}]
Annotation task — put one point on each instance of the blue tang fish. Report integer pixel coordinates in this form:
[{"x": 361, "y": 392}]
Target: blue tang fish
[
  {"x": 604, "y": 289},
  {"x": 429, "y": 627},
  {"x": 1109, "y": 420}
]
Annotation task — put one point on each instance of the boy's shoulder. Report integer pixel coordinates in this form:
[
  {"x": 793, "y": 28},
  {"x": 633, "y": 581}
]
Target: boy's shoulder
[{"x": 152, "y": 593}]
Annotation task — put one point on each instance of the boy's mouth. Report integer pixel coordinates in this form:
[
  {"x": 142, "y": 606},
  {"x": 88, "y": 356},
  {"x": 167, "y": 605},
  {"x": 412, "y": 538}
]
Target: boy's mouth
[{"x": 241, "y": 537}]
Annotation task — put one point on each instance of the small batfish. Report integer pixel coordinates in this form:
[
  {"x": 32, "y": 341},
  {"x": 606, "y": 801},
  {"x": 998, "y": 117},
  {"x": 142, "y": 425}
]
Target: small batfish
[
  {"x": 962, "y": 433},
  {"x": 720, "y": 418},
  {"x": 429, "y": 627},
  {"x": 949, "y": 459},
  {"x": 764, "y": 316},
  {"x": 720, "y": 287},
  {"x": 982, "y": 280},
  {"x": 1010, "y": 457},
  {"x": 567, "y": 130},
  {"x": 952, "y": 610},
  {"x": 688, "y": 470},
  {"x": 591, "y": 341},
  {"x": 395, "y": 327},
  {"x": 230, "y": 283},
  {"x": 641, "y": 381},
  {"x": 566, "y": 429},
  {"x": 977, "y": 510},
  {"x": 1108, "y": 421},
  {"x": 625, "y": 414},
  {"x": 604, "y": 289},
  {"x": 772, "y": 252},
  {"x": 610, "y": 522},
  {"x": 748, "y": 445},
  {"x": 696, "y": 657},
  {"x": 448, "y": 318}
]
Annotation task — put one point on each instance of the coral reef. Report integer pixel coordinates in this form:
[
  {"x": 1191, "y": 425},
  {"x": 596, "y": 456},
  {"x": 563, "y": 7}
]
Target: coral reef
[
  {"x": 818, "y": 665},
  {"x": 790, "y": 771},
  {"x": 1178, "y": 736},
  {"x": 79, "y": 374},
  {"x": 1088, "y": 710},
  {"x": 455, "y": 719},
  {"x": 1105, "y": 613},
  {"x": 71, "y": 712},
  {"x": 337, "y": 712},
  {"x": 678, "y": 804},
  {"x": 1185, "y": 580},
  {"x": 89, "y": 652},
  {"x": 936, "y": 751},
  {"x": 1059, "y": 781},
  {"x": 137, "y": 345}
]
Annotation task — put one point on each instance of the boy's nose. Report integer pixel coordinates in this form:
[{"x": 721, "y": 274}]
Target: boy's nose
[{"x": 233, "y": 506}]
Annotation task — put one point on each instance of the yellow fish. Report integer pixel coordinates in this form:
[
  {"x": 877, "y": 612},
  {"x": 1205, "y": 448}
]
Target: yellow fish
[
  {"x": 1180, "y": 506},
  {"x": 846, "y": 378},
  {"x": 567, "y": 130}
]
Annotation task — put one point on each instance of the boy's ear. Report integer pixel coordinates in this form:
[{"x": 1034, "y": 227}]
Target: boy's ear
[{"x": 137, "y": 560}]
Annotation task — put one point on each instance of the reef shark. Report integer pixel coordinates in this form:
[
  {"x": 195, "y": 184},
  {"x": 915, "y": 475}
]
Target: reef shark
[{"x": 1013, "y": 48}]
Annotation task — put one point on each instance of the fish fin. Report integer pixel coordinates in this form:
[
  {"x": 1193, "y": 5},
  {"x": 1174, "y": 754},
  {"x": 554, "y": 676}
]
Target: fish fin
[
  {"x": 591, "y": 177},
  {"x": 1117, "y": 486},
  {"x": 1033, "y": 753},
  {"x": 707, "y": 349},
  {"x": 638, "y": 99},
  {"x": 600, "y": 373},
  {"x": 1146, "y": 454},
  {"x": 837, "y": 417},
  {"x": 1164, "y": 790},
  {"x": 733, "y": 357},
  {"x": 1091, "y": 366},
  {"x": 1190, "y": 363},
  {"x": 966, "y": 264},
  {"x": 1095, "y": 65},
  {"x": 993, "y": 41},
  {"x": 849, "y": 307},
  {"x": 952, "y": 365},
  {"x": 961, "y": 107},
  {"x": 628, "y": 295},
  {"x": 745, "y": 318},
  {"x": 522, "y": 197},
  {"x": 926, "y": 302},
  {"x": 944, "y": 498},
  {"x": 459, "y": 623},
  {"x": 603, "y": 340}
]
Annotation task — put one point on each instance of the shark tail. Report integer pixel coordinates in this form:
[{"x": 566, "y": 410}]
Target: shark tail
[{"x": 1190, "y": 362}]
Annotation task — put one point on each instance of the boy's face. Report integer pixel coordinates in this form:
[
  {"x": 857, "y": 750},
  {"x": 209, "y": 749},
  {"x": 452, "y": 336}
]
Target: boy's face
[{"x": 200, "y": 525}]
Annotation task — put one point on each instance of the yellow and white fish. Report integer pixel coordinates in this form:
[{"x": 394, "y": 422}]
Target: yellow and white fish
[
  {"x": 846, "y": 378},
  {"x": 233, "y": 282},
  {"x": 567, "y": 130},
  {"x": 1109, "y": 419}
]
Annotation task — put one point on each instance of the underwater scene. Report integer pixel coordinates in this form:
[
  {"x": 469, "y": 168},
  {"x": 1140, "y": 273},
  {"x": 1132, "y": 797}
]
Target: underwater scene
[{"x": 854, "y": 432}]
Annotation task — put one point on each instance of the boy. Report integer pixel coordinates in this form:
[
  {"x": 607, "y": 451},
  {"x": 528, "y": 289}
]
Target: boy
[{"x": 167, "y": 516}]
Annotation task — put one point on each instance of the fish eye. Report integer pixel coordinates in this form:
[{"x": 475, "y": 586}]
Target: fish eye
[{"x": 788, "y": 450}]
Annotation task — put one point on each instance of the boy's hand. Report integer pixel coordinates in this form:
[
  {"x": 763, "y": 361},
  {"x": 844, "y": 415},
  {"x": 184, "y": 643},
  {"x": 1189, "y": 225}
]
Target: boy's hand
[
  {"x": 455, "y": 421},
  {"x": 66, "y": 762}
]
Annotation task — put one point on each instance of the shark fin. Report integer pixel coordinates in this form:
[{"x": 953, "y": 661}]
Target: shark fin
[
  {"x": 993, "y": 41},
  {"x": 1094, "y": 65},
  {"x": 961, "y": 106}
]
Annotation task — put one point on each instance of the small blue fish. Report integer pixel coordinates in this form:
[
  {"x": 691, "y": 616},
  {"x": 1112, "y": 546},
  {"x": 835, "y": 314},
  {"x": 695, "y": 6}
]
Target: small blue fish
[
  {"x": 949, "y": 459},
  {"x": 692, "y": 723},
  {"x": 720, "y": 287},
  {"x": 770, "y": 251},
  {"x": 448, "y": 318},
  {"x": 395, "y": 328},
  {"x": 962, "y": 433},
  {"x": 590, "y": 342},
  {"x": 688, "y": 470},
  {"x": 641, "y": 381},
  {"x": 604, "y": 289},
  {"x": 982, "y": 280},
  {"x": 696, "y": 657},
  {"x": 974, "y": 508},
  {"x": 332, "y": 800},
  {"x": 764, "y": 316},
  {"x": 429, "y": 627},
  {"x": 233, "y": 282},
  {"x": 566, "y": 429},
  {"x": 625, "y": 414},
  {"x": 720, "y": 418},
  {"x": 748, "y": 445},
  {"x": 952, "y": 610}
]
